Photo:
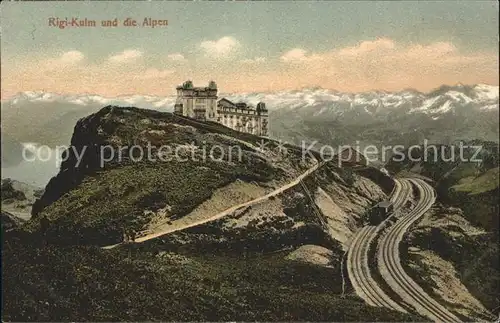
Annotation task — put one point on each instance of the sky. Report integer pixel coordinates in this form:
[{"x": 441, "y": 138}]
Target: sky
[{"x": 248, "y": 46}]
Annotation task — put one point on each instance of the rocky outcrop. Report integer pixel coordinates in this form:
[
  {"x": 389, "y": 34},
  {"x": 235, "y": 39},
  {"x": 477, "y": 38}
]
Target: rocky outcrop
[
  {"x": 80, "y": 160},
  {"x": 10, "y": 193},
  {"x": 129, "y": 169},
  {"x": 18, "y": 197},
  {"x": 455, "y": 261},
  {"x": 10, "y": 221},
  {"x": 312, "y": 254}
]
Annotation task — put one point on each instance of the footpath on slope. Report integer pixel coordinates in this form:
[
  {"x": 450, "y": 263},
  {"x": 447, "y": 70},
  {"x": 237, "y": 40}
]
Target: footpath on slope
[{"x": 171, "y": 228}]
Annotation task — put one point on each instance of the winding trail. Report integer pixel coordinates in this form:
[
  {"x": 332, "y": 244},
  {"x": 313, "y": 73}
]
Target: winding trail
[{"x": 170, "y": 229}]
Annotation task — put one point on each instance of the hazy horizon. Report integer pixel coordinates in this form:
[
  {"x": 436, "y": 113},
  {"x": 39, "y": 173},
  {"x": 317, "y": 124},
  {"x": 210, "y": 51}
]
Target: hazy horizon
[
  {"x": 249, "y": 46},
  {"x": 221, "y": 91}
]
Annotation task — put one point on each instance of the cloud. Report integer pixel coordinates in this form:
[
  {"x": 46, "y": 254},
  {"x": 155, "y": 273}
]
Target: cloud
[
  {"x": 385, "y": 64},
  {"x": 176, "y": 57},
  {"x": 254, "y": 60},
  {"x": 435, "y": 50},
  {"x": 128, "y": 55},
  {"x": 154, "y": 73},
  {"x": 222, "y": 47},
  {"x": 371, "y": 64},
  {"x": 368, "y": 46},
  {"x": 68, "y": 61},
  {"x": 71, "y": 57},
  {"x": 296, "y": 54},
  {"x": 382, "y": 51}
]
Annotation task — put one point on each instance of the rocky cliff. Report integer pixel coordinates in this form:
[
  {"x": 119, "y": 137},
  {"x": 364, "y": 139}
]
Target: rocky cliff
[{"x": 117, "y": 178}]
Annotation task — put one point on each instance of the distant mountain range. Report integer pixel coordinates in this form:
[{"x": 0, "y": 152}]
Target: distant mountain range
[
  {"x": 442, "y": 100},
  {"x": 410, "y": 100},
  {"x": 141, "y": 101},
  {"x": 408, "y": 117},
  {"x": 328, "y": 116}
]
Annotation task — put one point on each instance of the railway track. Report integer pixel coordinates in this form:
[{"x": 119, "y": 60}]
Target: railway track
[
  {"x": 358, "y": 264},
  {"x": 391, "y": 269}
]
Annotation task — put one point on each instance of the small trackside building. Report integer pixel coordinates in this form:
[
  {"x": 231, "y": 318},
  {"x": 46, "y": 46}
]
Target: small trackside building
[{"x": 381, "y": 211}]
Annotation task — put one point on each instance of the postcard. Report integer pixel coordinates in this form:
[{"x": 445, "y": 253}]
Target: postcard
[{"x": 319, "y": 161}]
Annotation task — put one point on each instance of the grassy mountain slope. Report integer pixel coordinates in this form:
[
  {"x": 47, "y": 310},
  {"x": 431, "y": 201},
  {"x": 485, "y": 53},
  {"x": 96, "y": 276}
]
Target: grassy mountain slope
[
  {"x": 99, "y": 200},
  {"x": 239, "y": 267},
  {"x": 88, "y": 284},
  {"x": 456, "y": 262}
]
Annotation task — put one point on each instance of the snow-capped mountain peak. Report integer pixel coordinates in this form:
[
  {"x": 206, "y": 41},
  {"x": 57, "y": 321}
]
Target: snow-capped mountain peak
[
  {"x": 142, "y": 101},
  {"x": 445, "y": 99},
  {"x": 487, "y": 92}
]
